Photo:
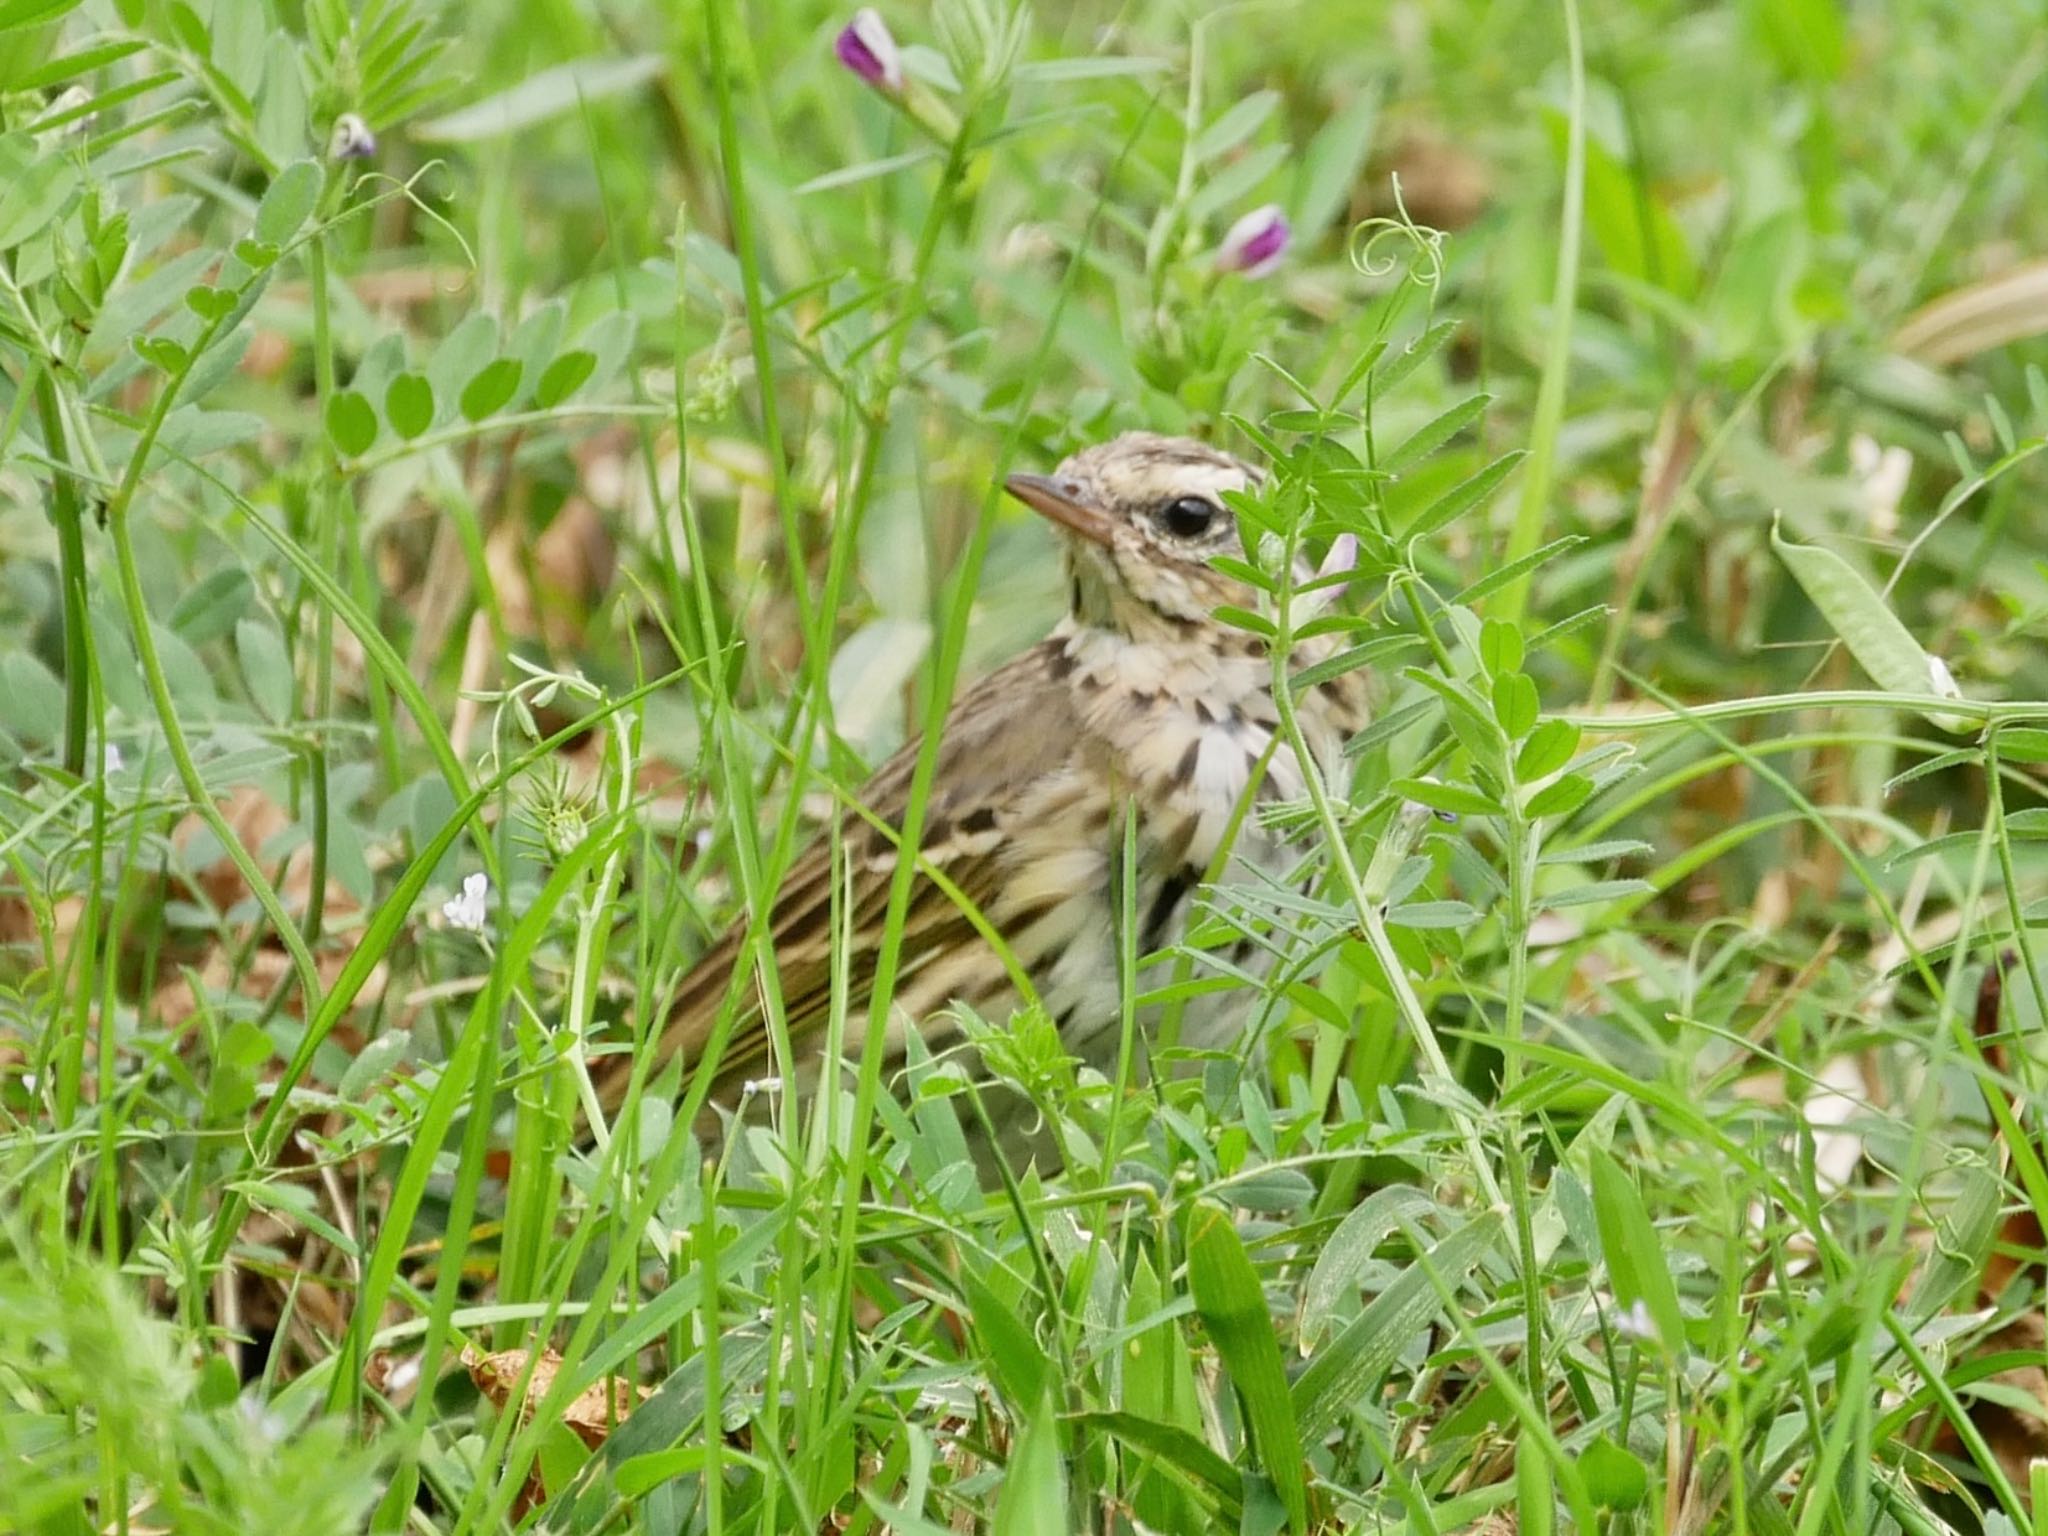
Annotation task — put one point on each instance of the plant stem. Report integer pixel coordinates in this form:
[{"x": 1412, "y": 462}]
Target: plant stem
[
  {"x": 70, "y": 521},
  {"x": 1527, "y": 532}
]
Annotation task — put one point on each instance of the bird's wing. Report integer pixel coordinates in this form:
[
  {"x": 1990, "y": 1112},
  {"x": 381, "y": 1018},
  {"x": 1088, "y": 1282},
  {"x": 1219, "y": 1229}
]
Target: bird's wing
[{"x": 1016, "y": 725}]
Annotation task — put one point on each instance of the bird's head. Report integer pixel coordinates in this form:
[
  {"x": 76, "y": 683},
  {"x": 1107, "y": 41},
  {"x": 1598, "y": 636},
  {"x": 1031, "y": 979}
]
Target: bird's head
[{"x": 1143, "y": 515}]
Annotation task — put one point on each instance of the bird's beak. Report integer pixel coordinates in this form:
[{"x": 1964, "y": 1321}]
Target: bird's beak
[{"x": 1055, "y": 499}]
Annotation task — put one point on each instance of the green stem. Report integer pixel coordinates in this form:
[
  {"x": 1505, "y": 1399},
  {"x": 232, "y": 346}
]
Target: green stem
[
  {"x": 70, "y": 521},
  {"x": 328, "y": 535},
  {"x": 1527, "y": 532},
  {"x": 137, "y": 608},
  {"x": 757, "y": 316},
  {"x": 1372, "y": 926}
]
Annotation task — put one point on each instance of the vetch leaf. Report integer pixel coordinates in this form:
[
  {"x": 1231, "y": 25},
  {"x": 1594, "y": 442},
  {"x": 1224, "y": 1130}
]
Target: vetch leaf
[
  {"x": 1615, "y": 1478},
  {"x": 1515, "y": 704},
  {"x": 564, "y": 376},
  {"x": 266, "y": 669},
  {"x": 1881, "y": 644},
  {"x": 548, "y": 94},
  {"x": 1433, "y": 914},
  {"x": 1433, "y": 434},
  {"x": 351, "y": 424},
  {"x": 409, "y": 405},
  {"x": 491, "y": 390},
  {"x": 1595, "y": 891},
  {"x": 37, "y": 189},
  {"x": 1549, "y": 747},
  {"x": 1515, "y": 570},
  {"x": 1444, "y": 795},
  {"x": 1560, "y": 797},
  {"x": 288, "y": 202},
  {"x": 2023, "y": 744},
  {"x": 1500, "y": 647}
]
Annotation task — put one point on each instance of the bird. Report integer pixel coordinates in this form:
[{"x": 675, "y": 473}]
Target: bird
[{"x": 1142, "y": 704}]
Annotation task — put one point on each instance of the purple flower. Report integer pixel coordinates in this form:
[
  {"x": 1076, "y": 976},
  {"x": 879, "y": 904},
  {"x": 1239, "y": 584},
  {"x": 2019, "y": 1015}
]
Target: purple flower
[
  {"x": 1255, "y": 243},
  {"x": 865, "y": 47}
]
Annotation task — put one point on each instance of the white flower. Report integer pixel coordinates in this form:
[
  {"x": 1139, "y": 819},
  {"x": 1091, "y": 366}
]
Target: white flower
[
  {"x": 1636, "y": 1324},
  {"x": 466, "y": 911},
  {"x": 114, "y": 762},
  {"x": 1881, "y": 475},
  {"x": 352, "y": 139},
  {"x": 1942, "y": 680},
  {"x": 754, "y": 1085}
]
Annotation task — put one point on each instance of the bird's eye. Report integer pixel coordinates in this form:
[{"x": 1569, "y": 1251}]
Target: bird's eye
[{"x": 1188, "y": 517}]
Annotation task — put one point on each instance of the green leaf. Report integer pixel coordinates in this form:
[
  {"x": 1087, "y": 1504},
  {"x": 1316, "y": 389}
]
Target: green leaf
[
  {"x": 1033, "y": 1501},
  {"x": 1232, "y": 1306},
  {"x": 551, "y": 93},
  {"x": 265, "y": 668},
  {"x": 1882, "y": 645},
  {"x": 1244, "y": 618},
  {"x": 1433, "y": 434},
  {"x": 2023, "y": 744},
  {"x": 1159, "y": 1394},
  {"x": 1963, "y": 1235},
  {"x": 1634, "y": 1252},
  {"x": 1019, "y": 1365},
  {"x": 1180, "y": 1449},
  {"x": 281, "y": 105},
  {"x": 1332, "y": 164},
  {"x": 1348, "y": 1369},
  {"x": 1350, "y": 1248},
  {"x": 1500, "y": 647},
  {"x": 191, "y": 31},
  {"x": 1433, "y": 914},
  {"x": 209, "y": 610},
  {"x": 1595, "y": 891},
  {"x": 1515, "y": 704},
  {"x": 1515, "y": 570},
  {"x": 865, "y": 170},
  {"x": 372, "y": 1062},
  {"x": 564, "y": 376},
  {"x": 1549, "y": 747},
  {"x": 33, "y": 189},
  {"x": 1398, "y": 365},
  {"x": 491, "y": 390},
  {"x": 27, "y": 13},
  {"x": 409, "y": 405},
  {"x": 288, "y": 202},
  {"x": 1615, "y": 1478},
  {"x": 351, "y": 424},
  {"x": 1447, "y": 795},
  {"x": 210, "y": 303},
  {"x": 1235, "y": 126},
  {"x": 31, "y": 697},
  {"x": 71, "y": 65},
  {"x": 1560, "y": 797}
]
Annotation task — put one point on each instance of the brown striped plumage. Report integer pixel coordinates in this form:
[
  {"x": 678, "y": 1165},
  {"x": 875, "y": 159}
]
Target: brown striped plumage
[{"x": 1138, "y": 697}]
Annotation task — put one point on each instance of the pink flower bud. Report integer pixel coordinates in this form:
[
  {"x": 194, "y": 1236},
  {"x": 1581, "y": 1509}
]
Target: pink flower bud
[
  {"x": 1255, "y": 243},
  {"x": 865, "y": 47}
]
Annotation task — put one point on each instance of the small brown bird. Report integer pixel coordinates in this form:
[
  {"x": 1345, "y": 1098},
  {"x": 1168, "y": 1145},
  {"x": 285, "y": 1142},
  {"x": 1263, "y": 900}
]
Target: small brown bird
[{"x": 1138, "y": 698}]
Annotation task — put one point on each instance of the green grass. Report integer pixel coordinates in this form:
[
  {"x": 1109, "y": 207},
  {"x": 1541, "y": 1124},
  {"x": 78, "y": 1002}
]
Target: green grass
[{"x": 588, "y": 487}]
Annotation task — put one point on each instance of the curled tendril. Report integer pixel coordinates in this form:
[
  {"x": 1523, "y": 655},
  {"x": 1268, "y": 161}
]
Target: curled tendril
[{"x": 1426, "y": 264}]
